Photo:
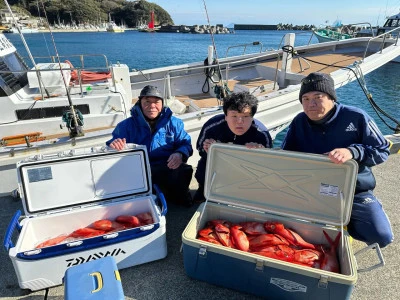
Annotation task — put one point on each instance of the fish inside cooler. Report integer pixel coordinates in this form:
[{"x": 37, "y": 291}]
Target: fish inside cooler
[
  {"x": 309, "y": 231},
  {"x": 40, "y": 229}
]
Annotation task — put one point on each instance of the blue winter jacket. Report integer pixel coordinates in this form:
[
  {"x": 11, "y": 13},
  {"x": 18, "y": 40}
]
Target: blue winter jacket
[
  {"x": 169, "y": 136},
  {"x": 217, "y": 128},
  {"x": 349, "y": 127}
]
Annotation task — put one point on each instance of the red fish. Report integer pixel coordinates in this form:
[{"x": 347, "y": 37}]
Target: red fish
[
  {"x": 107, "y": 225},
  {"x": 307, "y": 256},
  {"x": 207, "y": 232},
  {"x": 210, "y": 240},
  {"x": 281, "y": 252},
  {"x": 264, "y": 240},
  {"x": 52, "y": 241},
  {"x": 293, "y": 237},
  {"x": 253, "y": 228},
  {"x": 132, "y": 221},
  {"x": 223, "y": 234},
  {"x": 145, "y": 218},
  {"x": 330, "y": 261},
  {"x": 239, "y": 238},
  {"x": 213, "y": 223},
  {"x": 86, "y": 232}
]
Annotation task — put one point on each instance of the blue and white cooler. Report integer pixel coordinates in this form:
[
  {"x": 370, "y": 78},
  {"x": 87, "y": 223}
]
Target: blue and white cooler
[
  {"x": 301, "y": 191},
  {"x": 70, "y": 190}
]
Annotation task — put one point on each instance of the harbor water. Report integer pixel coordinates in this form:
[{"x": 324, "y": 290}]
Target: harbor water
[
  {"x": 145, "y": 50},
  {"x": 140, "y": 50}
]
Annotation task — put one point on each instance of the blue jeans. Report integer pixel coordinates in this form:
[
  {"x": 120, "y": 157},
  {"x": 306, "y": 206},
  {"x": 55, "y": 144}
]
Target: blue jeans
[{"x": 369, "y": 222}]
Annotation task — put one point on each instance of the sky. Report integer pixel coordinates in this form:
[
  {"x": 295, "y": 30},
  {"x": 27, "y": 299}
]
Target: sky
[{"x": 266, "y": 12}]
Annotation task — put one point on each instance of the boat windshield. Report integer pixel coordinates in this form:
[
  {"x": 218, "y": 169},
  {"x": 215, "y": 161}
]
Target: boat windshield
[
  {"x": 13, "y": 74},
  {"x": 392, "y": 23}
]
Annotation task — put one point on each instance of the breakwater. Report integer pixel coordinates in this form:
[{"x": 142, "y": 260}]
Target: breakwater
[
  {"x": 217, "y": 29},
  {"x": 279, "y": 26}
]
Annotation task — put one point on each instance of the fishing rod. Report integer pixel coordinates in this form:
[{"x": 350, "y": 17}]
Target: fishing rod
[
  {"x": 368, "y": 95},
  {"x": 74, "y": 127},
  {"x": 41, "y": 85},
  {"x": 220, "y": 91}
]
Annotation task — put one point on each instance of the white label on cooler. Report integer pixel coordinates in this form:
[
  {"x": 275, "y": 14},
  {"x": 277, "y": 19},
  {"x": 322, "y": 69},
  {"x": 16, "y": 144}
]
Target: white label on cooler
[{"x": 329, "y": 190}]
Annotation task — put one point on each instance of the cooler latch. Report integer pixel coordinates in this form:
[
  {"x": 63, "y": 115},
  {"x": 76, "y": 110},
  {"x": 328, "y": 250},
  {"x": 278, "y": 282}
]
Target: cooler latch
[
  {"x": 203, "y": 251},
  {"x": 259, "y": 265},
  {"x": 323, "y": 282}
]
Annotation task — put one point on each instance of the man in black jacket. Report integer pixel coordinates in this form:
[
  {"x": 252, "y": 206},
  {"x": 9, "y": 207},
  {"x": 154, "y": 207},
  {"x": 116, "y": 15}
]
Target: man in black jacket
[{"x": 236, "y": 126}]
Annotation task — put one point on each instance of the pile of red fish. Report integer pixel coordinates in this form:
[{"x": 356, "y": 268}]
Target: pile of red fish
[
  {"x": 274, "y": 240},
  {"x": 101, "y": 227}
]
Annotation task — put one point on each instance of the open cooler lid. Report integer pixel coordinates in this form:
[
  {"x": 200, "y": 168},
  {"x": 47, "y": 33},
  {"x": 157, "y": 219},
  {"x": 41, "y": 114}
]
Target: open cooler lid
[
  {"x": 81, "y": 177},
  {"x": 286, "y": 183}
]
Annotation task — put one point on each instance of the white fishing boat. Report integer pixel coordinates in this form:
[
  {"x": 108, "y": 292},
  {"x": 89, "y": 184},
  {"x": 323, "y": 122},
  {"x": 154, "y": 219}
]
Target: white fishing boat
[
  {"x": 150, "y": 27},
  {"x": 339, "y": 31},
  {"x": 273, "y": 76},
  {"x": 113, "y": 27},
  {"x": 23, "y": 29},
  {"x": 37, "y": 113},
  {"x": 34, "y": 102}
]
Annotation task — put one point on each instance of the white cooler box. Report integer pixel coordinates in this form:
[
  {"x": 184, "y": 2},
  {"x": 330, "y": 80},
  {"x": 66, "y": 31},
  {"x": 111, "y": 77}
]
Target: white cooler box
[
  {"x": 302, "y": 191},
  {"x": 70, "y": 190}
]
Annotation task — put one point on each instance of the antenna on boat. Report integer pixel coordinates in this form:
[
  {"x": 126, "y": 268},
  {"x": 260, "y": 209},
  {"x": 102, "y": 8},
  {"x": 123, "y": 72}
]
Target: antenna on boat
[
  {"x": 74, "y": 127},
  {"x": 218, "y": 89},
  {"x": 41, "y": 85}
]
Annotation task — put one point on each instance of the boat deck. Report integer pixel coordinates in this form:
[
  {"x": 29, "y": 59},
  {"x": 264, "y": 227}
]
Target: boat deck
[{"x": 326, "y": 63}]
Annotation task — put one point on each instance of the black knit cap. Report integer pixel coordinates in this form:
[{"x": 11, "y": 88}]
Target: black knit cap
[{"x": 318, "y": 82}]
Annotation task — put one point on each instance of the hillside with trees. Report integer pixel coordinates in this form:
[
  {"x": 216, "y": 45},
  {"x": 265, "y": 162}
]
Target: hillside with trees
[{"x": 130, "y": 13}]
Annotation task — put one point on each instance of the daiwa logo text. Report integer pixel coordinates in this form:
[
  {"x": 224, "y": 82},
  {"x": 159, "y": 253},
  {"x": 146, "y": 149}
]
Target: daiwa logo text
[{"x": 80, "y": 260}]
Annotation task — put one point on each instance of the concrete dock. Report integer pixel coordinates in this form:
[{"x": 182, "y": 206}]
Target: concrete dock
[{"x": 166, "y": 278}]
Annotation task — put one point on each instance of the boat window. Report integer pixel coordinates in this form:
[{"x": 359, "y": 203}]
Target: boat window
[
  {"x": 13, "y": 74},
  {"x": 388, "y": 23}
]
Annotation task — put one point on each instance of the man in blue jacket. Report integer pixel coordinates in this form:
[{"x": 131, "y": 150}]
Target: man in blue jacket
[
  {"x": 343, "y": 132},
  {"x": 168, "y": 144},
  {"x": 236, "y": 126}
]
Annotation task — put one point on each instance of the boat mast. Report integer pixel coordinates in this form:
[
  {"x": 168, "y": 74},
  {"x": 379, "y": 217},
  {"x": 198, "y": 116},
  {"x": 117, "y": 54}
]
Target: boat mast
[{"x": 27, "y": 49}]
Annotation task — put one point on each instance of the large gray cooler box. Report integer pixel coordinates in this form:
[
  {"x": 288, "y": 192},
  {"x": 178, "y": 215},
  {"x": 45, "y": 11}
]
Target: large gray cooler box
[{"x": 305, "y": 192}]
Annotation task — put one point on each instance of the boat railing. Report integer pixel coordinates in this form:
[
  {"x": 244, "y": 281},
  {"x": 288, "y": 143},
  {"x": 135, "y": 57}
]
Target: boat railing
[
  {"x": 77, "y": 63},
  {"x": 78, "y": 60},
  {"x": 353, "y": 32},
  {"x": 223, "y": 65},
  {"x": 383, "y": 36},
  {"x": 244, "y": 46}
]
